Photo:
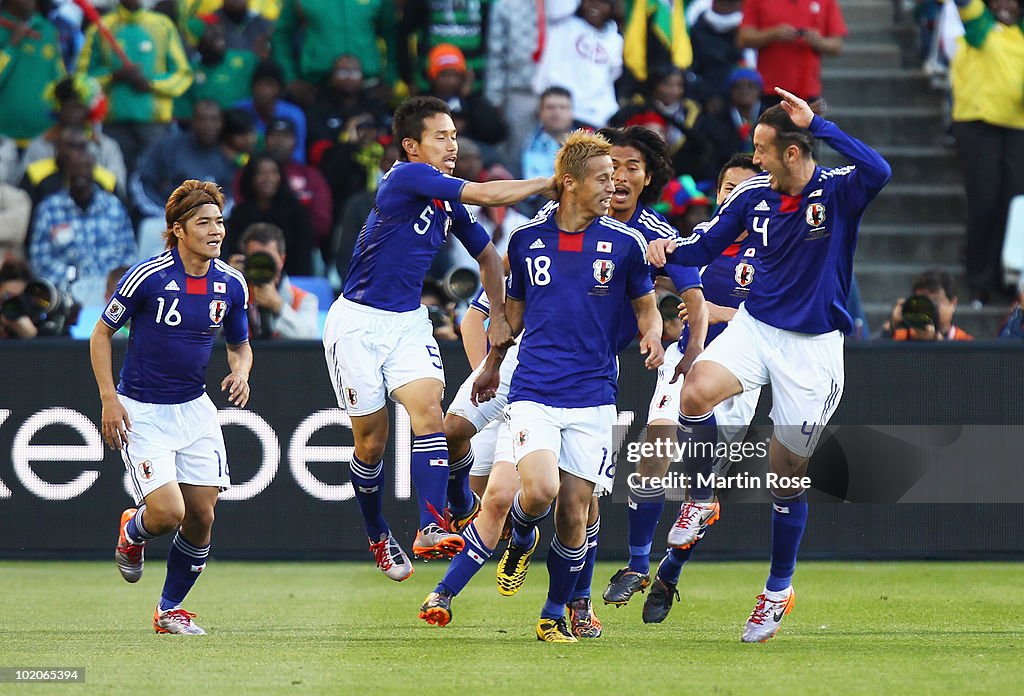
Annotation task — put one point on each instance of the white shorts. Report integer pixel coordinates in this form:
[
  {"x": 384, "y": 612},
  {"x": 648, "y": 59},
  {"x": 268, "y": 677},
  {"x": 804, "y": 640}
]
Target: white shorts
[
  {"x": 487, "y": 411},
  {"x": 492, "y": 444},
  {"x": 174, "y": 442},
  {"x": 372, "y": 352},
  {"x": 805, "y": 371},
  {"x": 733, "y": 415},
  {"x": 581, "y": 438}
]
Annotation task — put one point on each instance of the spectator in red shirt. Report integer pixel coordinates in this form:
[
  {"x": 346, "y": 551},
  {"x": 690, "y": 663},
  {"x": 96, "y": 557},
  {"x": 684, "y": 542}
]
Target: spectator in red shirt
[{"x": 790, "y": 37}]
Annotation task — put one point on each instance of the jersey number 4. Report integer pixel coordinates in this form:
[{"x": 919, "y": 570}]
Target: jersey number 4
[
  {"x": 172, "y": 317},
  {"x": 539, "y": 270}
]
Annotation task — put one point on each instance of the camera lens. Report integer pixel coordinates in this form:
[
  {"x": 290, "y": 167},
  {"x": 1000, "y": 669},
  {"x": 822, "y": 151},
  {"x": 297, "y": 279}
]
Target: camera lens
[{"x": 260, "y": 268}]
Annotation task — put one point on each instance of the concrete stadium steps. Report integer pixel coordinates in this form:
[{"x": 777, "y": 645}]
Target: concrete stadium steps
[
  {"x": 867, "y": 13},
  {"x": 918, "y": 204},
  {"x": 867, "y": 87},
  {"x": 926, "y": 244},
  {"x": 885, "y": 56},
  {"x": 912, "y": 163},
  {"x": 881, "y": 126}
]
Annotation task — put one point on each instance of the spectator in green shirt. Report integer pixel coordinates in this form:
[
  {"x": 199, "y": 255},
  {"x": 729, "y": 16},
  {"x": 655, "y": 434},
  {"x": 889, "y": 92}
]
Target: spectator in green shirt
[
  {"x": 221, "y": 74},
  {"x": 30, "y": 60},
  {"x": 310, "y": 34}
]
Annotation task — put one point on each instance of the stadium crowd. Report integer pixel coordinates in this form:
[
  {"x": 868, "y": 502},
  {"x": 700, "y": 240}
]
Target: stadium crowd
[{"x": 286, "y": 106}]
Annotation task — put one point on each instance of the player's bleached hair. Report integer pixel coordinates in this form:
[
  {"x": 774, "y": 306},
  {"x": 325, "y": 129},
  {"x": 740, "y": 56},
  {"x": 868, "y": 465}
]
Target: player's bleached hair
[
  {"x": 572, "y": 157},
  {"x": 184, "y": 202},
  {"x": 654, "y": 150}
]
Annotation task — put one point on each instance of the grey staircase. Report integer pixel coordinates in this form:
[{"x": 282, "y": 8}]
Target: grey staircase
[{"x": 876, "y": 92}]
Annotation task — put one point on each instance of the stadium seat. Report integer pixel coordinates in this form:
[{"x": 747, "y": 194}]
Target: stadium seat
[
  {"x": 1013, "y": 244},
  {"x": 321, "y": 287}
]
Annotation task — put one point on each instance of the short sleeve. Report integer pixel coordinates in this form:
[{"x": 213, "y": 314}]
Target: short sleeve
[
  {"x": 236, "y": 322},
  {"x": 683, "y": 277},
  {"x": 638, "y": 279},
  {"x": 468, "y": 230},
  {"x": 419, "y": 179},
  {"x": 834, "y": 23},
  {"x": 127, "y": 298},
  {"x": 480, "y": 303}
]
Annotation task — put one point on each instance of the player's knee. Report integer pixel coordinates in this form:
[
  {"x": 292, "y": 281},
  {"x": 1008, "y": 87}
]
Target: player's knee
[
  {"x": 499, "y": 498},
  {"x": 571, "y": 524},
  {"x": 458, "y": 431},
  {"x": 540, "y": 492},
  {"x": 370, "y": 448},
  {"x": 163, "y": 518},
  {"x": 698, "y": 397},
  {"x": 201, "y": 518}
]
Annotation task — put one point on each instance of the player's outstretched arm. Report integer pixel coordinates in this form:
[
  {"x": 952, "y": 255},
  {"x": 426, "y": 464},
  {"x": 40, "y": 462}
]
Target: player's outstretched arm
[
  {"x": 237, "y": 383},
  {"x": 114, "y": 421},
  {"x": 492, "y": 277},
  {"x": 698, "y": 321},
  {"x": 648, "y": 318},
  {"x": 505, "y": 192}
]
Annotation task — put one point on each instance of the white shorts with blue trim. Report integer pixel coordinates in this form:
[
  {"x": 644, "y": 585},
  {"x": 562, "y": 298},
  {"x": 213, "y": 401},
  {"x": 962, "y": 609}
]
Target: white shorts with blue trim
[
  {"x": 372, "y": 352},
  {"x": 173, "y": 442},
  {"x": 805, "y": 371}
]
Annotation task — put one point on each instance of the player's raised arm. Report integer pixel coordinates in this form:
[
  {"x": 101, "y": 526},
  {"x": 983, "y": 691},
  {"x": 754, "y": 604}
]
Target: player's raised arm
[
  {"x": 872, "y": 172},
  {"x": 114, "y": 421},
  {"x": 505, "y": 192},
  {"x": 237, "y": 382}
]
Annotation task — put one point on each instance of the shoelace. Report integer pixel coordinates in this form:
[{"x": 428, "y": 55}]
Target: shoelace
[
  {"x": 686, "y": 515},
  {"x": 760, "y": 612},
  {"x": 442, "y": 520},
  {"x": 181, "y": 615},
  {"x": 132, "y": 551},
  {"x": 381, "y": 555}
]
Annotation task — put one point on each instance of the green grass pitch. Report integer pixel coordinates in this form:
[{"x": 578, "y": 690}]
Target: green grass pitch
[{"x": 866, "y": 628}]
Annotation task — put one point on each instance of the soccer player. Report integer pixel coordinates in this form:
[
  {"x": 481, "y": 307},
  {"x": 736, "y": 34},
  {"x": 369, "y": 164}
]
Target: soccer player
[
  {"x": 159, "y": 416},
  {"x": 642, "y": 168},
  {"x": 790, "y": 332},
  {"x": 728, "y": 281},
  {"x": 378, "y": 340},
  {"x": 570, "y": 277}
]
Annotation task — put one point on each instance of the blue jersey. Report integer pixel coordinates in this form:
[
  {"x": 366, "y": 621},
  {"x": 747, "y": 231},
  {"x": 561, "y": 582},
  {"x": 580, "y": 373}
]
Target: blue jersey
[
  {"x": 727, "y": 282},
  {"x": 652, "y": 225},
  {"x": 481, "y": 303},
  {"x": 416, "y": 206},
  {"x": 175, "y": 318},
  {"x": 576, "y": 287},
  {"x": 804, "y": 261}
]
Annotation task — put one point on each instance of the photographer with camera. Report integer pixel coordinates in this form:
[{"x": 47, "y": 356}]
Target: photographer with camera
[
  {"x": 440, "y": 310},
  {"x": 910, "y": 317},
  {"x": 277, "y": 309},
  {"x": 31, "y": 306}
]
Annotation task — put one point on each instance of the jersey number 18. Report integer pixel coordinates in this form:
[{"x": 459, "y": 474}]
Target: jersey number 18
[{"x": 539, "y": 270}]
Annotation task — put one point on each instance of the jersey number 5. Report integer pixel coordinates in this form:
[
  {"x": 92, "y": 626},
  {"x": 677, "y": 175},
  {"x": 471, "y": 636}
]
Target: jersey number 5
[
  {"x": 422, "y": 224},
  {"x": 539, "y": 270},
  {"x": 172, "y": 317}
]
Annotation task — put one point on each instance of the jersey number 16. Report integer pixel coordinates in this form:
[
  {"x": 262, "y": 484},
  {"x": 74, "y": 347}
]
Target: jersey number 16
[{"x": 172, "y": 317}]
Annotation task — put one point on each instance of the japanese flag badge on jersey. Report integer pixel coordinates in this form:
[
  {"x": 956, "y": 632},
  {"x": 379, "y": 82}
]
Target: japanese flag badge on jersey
[
  {"x": 604, "y": 247},
  {"x": 220, "y": 287}
]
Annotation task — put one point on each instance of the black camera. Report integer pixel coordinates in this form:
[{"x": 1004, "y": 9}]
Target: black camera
[
  {"x": 460, "y": 283},
  {"x": 919, "y": 312},
  {"x": 260, "y": 268},
  {"x": 438, "y": 316},
  {"x": 51, "y": 311}
]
